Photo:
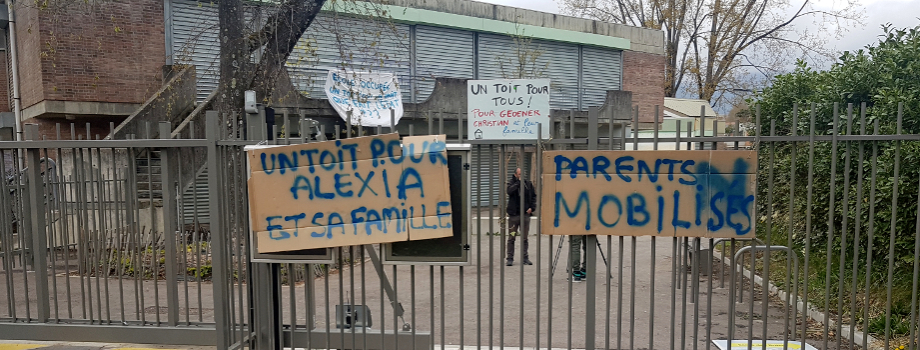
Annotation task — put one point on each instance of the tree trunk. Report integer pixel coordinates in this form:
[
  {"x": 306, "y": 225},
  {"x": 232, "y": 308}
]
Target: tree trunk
[
  {"x": 281, "y": 42},
  {"x": 277, "y": 37},
  {"x": 234, "y": 58}
]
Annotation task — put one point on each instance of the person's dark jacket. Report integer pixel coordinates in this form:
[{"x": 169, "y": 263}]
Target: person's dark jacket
[{"x": 514, "y": 196}]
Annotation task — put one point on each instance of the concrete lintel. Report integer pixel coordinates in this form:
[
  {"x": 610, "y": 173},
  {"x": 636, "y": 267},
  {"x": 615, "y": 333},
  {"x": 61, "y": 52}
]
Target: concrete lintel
[{"x": 51, "y": 108}]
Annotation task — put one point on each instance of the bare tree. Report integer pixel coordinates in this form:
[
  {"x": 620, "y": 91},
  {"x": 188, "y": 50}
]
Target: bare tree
[
  {"x": 713, "y": 46},
  {"x": 276, "y": 40},
  {"x": 524, "y": 60}
]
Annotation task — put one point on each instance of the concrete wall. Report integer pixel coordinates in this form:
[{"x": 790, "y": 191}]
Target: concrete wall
[
  {"x": 172, "y": 103},
  {"x": 74, "y": 228}
]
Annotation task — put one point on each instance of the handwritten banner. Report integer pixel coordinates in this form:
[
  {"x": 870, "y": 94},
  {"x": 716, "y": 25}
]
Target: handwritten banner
[
  {"x": 349, "y": 192},
  {"x": 649, "y": 193},
  {"x": 507, "y": 108},
  {"x": 369, "y": 97}
]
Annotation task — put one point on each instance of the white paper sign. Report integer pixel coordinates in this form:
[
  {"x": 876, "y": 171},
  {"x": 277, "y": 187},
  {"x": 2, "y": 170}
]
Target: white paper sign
[
  {"x": 369, "y": 97},
  {"x": 758, "y": 344},
  {"x": 505, "y": 109}
]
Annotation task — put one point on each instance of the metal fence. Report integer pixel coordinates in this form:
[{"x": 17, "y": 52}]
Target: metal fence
[{"x": 96, "y": 247}]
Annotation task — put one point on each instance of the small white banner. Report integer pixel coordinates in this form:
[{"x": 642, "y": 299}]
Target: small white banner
[
  {"x": 758, "y": 344},
  {"x": 369, "y": 97},
  {"x": 505, "y": 109}
]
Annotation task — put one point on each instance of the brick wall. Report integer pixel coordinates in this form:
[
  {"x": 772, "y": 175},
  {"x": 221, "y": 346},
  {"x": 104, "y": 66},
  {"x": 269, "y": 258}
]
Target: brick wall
[
  {"x": 5, "y": 96},
  {"x": 95, "y": 52},
  {"x": 643, "y": 74}
]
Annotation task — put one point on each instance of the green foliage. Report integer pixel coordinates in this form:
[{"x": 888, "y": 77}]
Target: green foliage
[
  {"x": 885, "y": 78},
  {"x": 203, "y": 273}
]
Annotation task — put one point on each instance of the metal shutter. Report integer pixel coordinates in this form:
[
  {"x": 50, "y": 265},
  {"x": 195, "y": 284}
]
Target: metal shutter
[
  {"x": 196, "y": 202},
  {"x": 559, "y": 63},
  {"x": 563, "y": 70},
  {"x": 194, "y": 41},
  {"x": 365, "y": 44},
  {"x": 600, "y": 72},
  {"x": 493, "y": 182},
  {"x": 491, "y": 49},
  {"x": 482, "y": 166},
  {"x": 441, "y": 52}
]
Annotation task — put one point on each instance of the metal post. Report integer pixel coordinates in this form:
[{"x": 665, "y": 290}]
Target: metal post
[
  {"x": 37, "y": 209},
  {"x": 591, "y": 251},
  {"x": 218, "y": 235},
  {"x": 169, "y": 161}
]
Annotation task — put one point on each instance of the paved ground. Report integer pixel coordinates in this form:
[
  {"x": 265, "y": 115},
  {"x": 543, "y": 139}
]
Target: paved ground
[
  {"x": 28, "y": 345},
  {"x": 512, "y": 306}
]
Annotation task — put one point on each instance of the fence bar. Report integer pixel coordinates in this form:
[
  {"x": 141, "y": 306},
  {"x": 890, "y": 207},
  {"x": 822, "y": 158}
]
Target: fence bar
[
  {"x": 893, "y": 226},
  {"x": 792, "y": 175},
  {"x": 538, "y": 234},
  {"x": 765, "y": 300},
  {"x": 844, "y": 228},
  {"x": 39, "y": 239},
  {"x": 913, "y": 299},
  {"x": 167, "y": 164},
  {"x": 857, "y": 225},
  {"x": 591, "y": 247},
  {"x": 218, "y": 236},
  {"x": 830, "y": 226}
]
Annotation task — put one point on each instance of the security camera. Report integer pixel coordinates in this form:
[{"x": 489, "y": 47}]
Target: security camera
[{"x": 249, "y": 103}]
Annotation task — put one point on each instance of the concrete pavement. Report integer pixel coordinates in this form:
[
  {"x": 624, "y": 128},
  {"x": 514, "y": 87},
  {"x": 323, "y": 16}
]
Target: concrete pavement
[{"x": 489, "y": 304}]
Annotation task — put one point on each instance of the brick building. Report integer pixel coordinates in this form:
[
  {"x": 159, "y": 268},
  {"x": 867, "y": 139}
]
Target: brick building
[{"x": 97, "y": 63}]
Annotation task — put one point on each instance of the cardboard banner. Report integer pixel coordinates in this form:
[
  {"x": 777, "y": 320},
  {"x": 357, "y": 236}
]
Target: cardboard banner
[
  {"x": 349, "y": 192},
  {"x": 369, "y": 97},
  {"x": 649, "y": 193},
  {"x": 504, "y": 109}
]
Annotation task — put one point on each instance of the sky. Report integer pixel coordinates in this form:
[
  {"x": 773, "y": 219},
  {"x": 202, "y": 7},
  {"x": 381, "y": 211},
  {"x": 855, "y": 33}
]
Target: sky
[{"x": 900, "y": 13}]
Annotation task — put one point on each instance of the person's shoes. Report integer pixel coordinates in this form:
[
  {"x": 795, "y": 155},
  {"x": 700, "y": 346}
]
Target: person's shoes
[
  {"x": 576, "y": 278},
  {"x": 527, "y": 262},
  {"x": 579, "y": 276},
  {"x": 509, "y": 262}
]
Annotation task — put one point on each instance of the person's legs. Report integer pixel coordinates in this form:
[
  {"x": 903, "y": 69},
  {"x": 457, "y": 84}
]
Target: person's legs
[
  {"x": 525, "y": 229},
  {"x": 513, "y": 223},
  {"x": 575, "y": 253}
]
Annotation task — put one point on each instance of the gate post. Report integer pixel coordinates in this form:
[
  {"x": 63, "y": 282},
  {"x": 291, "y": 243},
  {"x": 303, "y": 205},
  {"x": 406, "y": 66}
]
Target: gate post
[
  {"x": 37, "y": 219},
  {"x": 219, "y": 241},
  {"x": 264, "y": 287},
  {"x": 170, "y": 218},
  {"x": 591, "y": 247},
  {"x": 266, "y": 302}
]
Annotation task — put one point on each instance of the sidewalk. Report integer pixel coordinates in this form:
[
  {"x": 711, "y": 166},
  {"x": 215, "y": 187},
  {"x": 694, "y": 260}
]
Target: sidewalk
[{"x": 28, "y": 345}]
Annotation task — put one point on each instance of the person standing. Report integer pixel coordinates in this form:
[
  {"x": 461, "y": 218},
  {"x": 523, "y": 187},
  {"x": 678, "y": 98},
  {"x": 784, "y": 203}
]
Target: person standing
[{"x": 517, "y": 223}]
